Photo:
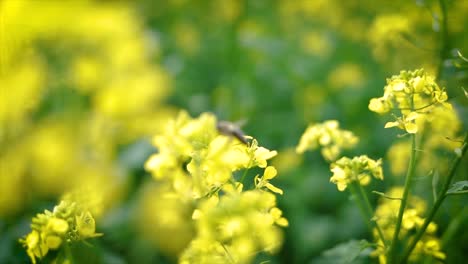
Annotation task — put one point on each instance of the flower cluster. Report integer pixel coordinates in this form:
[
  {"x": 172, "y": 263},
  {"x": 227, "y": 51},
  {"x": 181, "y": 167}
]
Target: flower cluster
[
  {"x": 414, "y": 94},
  {"x": 358, "y": 169},
  {"x": 67, "y": 223},
  {"x": 200, "y": 166},
  {"x": 385, "y": 215},
  {"x": 441, "y": 132},
  {"x": 232, "y": 229},
  {"x": 196, "y": 159},
  {"x": 329, "y": 137},
  {"x": 94, "y": 118}
]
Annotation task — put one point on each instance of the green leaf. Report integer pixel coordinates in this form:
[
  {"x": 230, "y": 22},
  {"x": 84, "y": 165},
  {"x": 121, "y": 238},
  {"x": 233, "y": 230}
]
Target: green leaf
[
  {"x": 460, "y": 187},
  {"x": 353, "y": 251}
]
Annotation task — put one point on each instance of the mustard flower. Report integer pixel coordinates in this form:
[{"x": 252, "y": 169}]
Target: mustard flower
[
  {"x": 235, "y": 228},
  {"x": 68, "y": 222},
  {"x": 358, "y": 169},
  {"x": 407, "y": 123},
  {"x": 197, "y": 164},
  {"x": 192, "y": 150},
  {"x": 441, "y": 127},
  {"x": 386, "y": 215},
  {"x": 329, "y": 137},
  {"x": 414, "y": 95},
  {"x": 269, "y": 173}
]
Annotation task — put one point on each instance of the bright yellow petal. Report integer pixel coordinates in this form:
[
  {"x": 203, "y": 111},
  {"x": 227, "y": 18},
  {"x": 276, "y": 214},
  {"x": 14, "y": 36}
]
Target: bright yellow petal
[
  {"x": 273, "y": 188},
  {"x": 411, "y": 128},
  {"x": 270, "y": 173},
  {"x": 392, "y": 124}
]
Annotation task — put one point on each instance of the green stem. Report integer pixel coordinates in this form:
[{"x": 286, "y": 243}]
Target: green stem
[
  {"x": 354, "y": 193},
  {"x": 439, "y": 200},
  {"x": 404, "y": 199},
  {"x": 370, "y": 214},
  {"x": 245, "y": 172},
  {"x": 68, "y": 254},
  {"x": 227, "y": 253}
]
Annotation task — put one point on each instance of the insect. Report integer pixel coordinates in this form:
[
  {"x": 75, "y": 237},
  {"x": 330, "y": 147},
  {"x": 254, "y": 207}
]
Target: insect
[{"x": 231, "y": 129}]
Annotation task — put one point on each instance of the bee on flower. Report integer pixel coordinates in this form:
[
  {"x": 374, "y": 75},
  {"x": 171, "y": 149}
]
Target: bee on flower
[{"x": 200, "y": 164}]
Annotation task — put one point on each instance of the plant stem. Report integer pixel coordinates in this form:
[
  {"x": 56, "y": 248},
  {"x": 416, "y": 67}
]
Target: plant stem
[
  {"x": 245, "y": 171},
  {"x": 227, "y": 253},
  {"x": 404, "y": 199},
  {"x": 68, "y": 254},
  {"x": 370, "y": 214},
  {"x": 354, "y": 193},
  {"x": 438, "y": 202}
]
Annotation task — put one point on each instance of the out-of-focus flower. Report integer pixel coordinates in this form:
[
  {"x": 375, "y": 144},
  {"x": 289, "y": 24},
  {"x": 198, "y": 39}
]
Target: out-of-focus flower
[
  {"x": 440, "y": 130},
  {"x": 161, "y": 214},
  {"x": 329, "y": 137},
  {"x": 358, "y": 169},
  {"x": 196, "y": 164},
  {"x": 236, "y": 228},
  {"x": 348, "y": 75},
  {"x": 387, "y": 31},
  {"x": 386, "y": 215},
  {"x": 78, "y": 114},
  {"x": 192, "y": 154},
  {"x": 316, "y": 43}
]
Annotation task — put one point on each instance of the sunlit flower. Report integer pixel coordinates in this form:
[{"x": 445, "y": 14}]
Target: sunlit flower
[
  {"x": 236, "y": 228},
  {"x": 68, "y": 222},
  {"x": 358, "y": 169},
  {"x": 269, "y": 173},
  {"x": 386, "y": 215},
  {"x": 329, "y": 137},
  {"x": 414, "y": 94}
]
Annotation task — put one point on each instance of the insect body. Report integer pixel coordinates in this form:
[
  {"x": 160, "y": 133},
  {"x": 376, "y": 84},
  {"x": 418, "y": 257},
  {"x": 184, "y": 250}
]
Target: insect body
[{"x": 231, "y": 129}]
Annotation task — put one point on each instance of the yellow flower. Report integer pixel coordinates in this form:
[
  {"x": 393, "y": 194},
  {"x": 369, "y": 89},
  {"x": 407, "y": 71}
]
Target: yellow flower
[
  {"x": 241, "y": 224},
  {"x": 385, "y": 216},
  {"x": 277, "y": 216},
  {"x": 379, "y": 105},
  {"x": 85, "y": 224},
  {"x": 57, "y": 225},
  {"x": 260, "y": 155},
  {"x": 408, "y": 123},
  {"x": 269, "y": 173},
  {"x": 358, "y": 169},
  {"x": 329, "y": 137},
  {"x": 415, "y": 94},
  {"x": 34, "y": 246},
  {"x": 339, "y": 178},
  {"x": 53, "y": 242},
  {"x": 51, "y": 229}
]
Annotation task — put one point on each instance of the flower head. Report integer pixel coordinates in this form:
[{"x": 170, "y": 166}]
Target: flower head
[
  {"x": 235, "y": 228},
  {"x": 358, "y": 169},
  {"x": 329, "y": 137},
  {"x": 386, "y": 215},
  {"x": 67, "y": 223},
  {"x": 414, "y": 94}
]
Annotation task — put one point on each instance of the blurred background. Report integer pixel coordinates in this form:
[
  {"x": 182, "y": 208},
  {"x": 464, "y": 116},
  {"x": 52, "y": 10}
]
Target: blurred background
[{"x": 85, "y": 84}]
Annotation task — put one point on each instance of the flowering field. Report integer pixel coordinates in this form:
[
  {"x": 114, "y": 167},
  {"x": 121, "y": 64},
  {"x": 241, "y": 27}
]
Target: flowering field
[{"x": 233, "y": 131}]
